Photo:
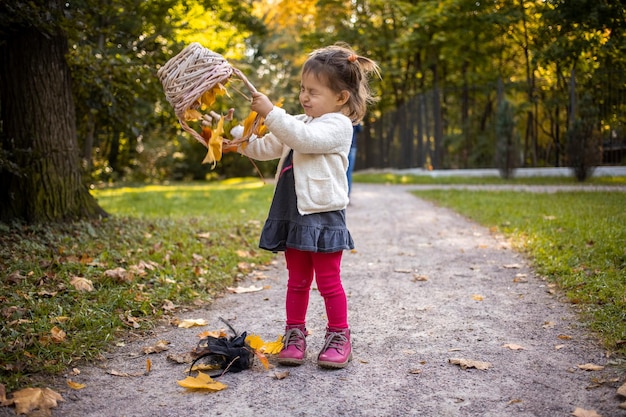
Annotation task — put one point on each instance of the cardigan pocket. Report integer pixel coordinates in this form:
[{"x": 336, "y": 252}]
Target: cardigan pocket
[{"x": 321, "y": 190}]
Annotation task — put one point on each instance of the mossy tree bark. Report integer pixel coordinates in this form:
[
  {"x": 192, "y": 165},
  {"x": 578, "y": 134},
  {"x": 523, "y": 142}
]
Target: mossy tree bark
[{"x": 40, "y": 173}]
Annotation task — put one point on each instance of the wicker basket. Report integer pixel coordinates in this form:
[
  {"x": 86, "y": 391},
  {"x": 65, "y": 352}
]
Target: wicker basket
[{"x": 191, "y": 73}]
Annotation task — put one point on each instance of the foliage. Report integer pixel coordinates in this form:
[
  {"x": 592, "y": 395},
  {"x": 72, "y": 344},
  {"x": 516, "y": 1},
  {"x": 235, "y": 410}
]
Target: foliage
[
  {"x": 165, "y": 247},
  {"x": 575, "y": 239},
  {"x": 452, "y": 50},
  {"x": 583, "y": 148},
  {"x": 507, "y": 139}
]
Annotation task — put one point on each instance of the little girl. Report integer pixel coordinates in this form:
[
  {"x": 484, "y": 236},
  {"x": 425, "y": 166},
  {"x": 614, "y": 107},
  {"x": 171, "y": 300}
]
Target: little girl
[{"x": 307, "y": 217}]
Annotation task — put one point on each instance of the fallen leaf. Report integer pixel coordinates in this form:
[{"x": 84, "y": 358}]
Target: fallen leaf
[
  {"x": 75, "y": 385},
  {"x": 513, "y": 346},
  {"x": 148, "y": 365},
  {"x": 520, "y": 278},
  {"x": 559, "y": 347},
  {"x": 181, "y": 358},
  {"x": 622, "y": 390},
  {"x": 580, "y": 412},
  {"x": 243, "y": 290},
  {"x": 159, "y": 347},
  {"x": 271, "y": 348},
  {"x": 512, "y": 266},
  {"x": 57, "y": 335},
  {"x": 263, "y": 359},
  {"x": 418, "y": 278},
  {"x": 564, "y": 337},
  {"x": 59, "y": 319},
  {"x": 477, "y": 297},
  {"x": 30, "y": 399},
  {"x": 187, "y": 323},
  {"x": 281, "y": 375},
  {"x": 468, "y": 363},
  {"x": 201, "y": 382},
  {"x": 119, "y": 274},
  {"x": 123, "y": 374},
  {"x": 591, "y": 367},
  {"x": 212, "y": 333},
  {"x": 81, "y": 284}
]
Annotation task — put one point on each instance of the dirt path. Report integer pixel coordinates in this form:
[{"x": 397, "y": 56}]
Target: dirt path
[{"x": 425, "y": 286}]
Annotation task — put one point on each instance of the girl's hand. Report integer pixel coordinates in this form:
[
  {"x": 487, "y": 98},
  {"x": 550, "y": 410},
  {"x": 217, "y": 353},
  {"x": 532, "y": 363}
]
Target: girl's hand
[{"x": 261, "y": 104}]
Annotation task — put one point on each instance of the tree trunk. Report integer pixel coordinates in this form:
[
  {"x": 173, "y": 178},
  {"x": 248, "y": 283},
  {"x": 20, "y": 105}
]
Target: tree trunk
[
  {"x": 39, "y": 144},
  {"x": 437, "y": 114}
]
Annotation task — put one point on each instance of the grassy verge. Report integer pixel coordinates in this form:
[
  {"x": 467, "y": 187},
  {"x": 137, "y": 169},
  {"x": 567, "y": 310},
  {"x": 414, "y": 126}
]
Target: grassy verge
[
  {"x": 576, "y": 239},
  {"x": 390, "y": 178},
  {"x": 178, "y": 245}
]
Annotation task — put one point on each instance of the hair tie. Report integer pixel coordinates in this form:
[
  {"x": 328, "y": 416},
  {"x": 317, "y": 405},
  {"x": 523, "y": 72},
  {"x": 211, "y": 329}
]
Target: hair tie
[{"x": 353, "y": 58}]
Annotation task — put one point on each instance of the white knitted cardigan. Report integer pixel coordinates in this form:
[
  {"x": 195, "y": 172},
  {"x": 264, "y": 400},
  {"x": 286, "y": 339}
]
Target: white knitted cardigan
[{"x": 320, "y": 156}]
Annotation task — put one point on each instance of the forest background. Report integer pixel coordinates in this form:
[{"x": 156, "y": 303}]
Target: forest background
[
  {"x": 465, "y": 84},
  {"x": 457, "y": 75}
]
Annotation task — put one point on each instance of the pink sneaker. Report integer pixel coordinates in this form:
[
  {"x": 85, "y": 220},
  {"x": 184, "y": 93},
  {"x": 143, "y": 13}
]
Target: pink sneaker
[
  {"x": 294, "y": 345},
  {"x": 337, "y": 350}
]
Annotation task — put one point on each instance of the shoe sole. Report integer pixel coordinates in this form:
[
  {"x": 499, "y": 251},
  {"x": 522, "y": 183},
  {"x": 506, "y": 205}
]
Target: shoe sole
[
  {"x": 290, "y": 361},
  {"x": 334, "y": 365}
]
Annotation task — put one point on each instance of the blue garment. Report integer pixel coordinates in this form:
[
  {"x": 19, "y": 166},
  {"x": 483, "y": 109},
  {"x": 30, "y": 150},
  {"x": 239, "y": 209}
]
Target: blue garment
[
  {"x": 285, "y": 227},
  {"x": 356, "y": 129}
]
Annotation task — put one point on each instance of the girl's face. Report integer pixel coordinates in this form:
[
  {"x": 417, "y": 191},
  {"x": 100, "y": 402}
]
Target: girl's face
[{"x": 317, "y": 99}]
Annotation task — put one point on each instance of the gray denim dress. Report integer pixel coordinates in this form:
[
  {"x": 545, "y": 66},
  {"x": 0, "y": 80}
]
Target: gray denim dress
[{"x": 285, "y": 227}]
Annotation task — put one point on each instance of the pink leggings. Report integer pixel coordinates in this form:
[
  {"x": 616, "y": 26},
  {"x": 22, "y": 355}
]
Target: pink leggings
[{"x": 326, "y": 267}]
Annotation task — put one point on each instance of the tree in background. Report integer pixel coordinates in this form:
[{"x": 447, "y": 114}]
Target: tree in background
[
  {"x": 54, "y": 131},
  {"x": 40, "y": 173}
]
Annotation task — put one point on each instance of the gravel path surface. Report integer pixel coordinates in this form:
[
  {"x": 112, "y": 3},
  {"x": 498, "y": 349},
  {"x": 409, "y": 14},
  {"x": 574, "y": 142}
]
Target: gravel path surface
[{"x": 425, "y": 287}]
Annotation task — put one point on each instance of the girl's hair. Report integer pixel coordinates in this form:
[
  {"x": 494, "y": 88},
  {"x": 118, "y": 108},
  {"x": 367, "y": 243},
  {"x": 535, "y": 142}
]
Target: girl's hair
[{"x": 342, "y": 69}]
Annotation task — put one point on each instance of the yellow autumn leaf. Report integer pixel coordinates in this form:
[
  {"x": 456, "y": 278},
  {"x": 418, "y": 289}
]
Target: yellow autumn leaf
[
  {"x": 261, "y": 130},
  {"x": 201, "y": 382},
  {"x": 214, "y": 144},
  {"x": 75, "y": 385},
  {"x": 57, "y": 335},
  {"x": 477, "y": 297},
  {"x": 257, "y": 343},
  {"x": 208, "y": 98},
  {"x": 158, "y": 347},
  {"x": 30, "y": 399},
  {"x": 187, "y": 323},
  {"x": 263, "y": 359},
  {"x": 212, "y": 333},
  {"x": 247, "y": 124},
  {"x": 192, "y": 114}
]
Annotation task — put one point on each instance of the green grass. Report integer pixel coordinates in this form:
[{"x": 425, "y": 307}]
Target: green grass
[
  {"x": 390, "y": 178},
  {"x": 197, "y": 239},
  {"x": 576, "y": 239}
]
